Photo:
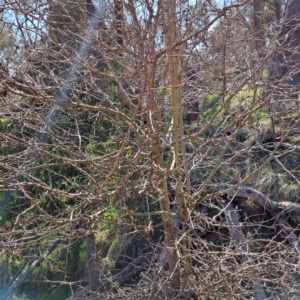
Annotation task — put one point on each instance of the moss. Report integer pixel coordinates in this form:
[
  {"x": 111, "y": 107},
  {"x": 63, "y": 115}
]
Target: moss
[
  {"x": 113, "y": 249},
  {"x": 266, "y": 72}
]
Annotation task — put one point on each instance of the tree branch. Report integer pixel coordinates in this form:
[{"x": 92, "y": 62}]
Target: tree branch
[{"x": 11, "y": 290}]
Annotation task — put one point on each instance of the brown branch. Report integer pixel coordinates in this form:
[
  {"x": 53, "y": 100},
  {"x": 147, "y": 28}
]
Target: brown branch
[
  {"x": 15, "y": 83},
  {"x": 275, "y": 137},
  {"x": 137, "y": 265},
  {"x": 119, "y": 21},
  {"x": 177, "y": 43},
  {"x": 232, "y": 220},
  {"x": 267, "y": 204},
  {"x": 11, "y": 290}
]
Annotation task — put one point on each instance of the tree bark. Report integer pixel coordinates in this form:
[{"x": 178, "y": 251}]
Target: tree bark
[
  {"x": 91, "y": 262},
  {"x": 179, "y": 148},
  {"x": 118, "y": 11},
  {"x": 289, "y": 40},
  {"x": 258, "y": 8},
  {"x": 277, "y": 7},
  {"x": 167, "y": 220}
]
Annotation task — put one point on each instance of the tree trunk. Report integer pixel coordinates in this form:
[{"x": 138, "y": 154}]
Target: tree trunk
[
  {"x": 289, "y": 39},
  {"x": 118, "y": 11},
  {"x": 258, "y": 9},
  {"x": 174, "y": 63},
  {"x": 158, "y": 160},
  {"x": 167, "y": 220},
  {"x": 277, "y": 7},
  {"x": 91, "y": 262}
]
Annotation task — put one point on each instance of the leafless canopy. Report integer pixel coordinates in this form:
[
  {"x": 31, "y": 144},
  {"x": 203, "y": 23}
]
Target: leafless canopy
[{"x": 163, "y": 136}]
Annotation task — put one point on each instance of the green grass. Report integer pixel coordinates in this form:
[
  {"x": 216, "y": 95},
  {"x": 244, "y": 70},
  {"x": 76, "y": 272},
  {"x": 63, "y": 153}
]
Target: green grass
[{"x": 209, "y": 106}]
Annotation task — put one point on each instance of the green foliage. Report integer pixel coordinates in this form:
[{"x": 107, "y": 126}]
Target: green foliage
[
  {"x": 129, "y": 153},
  {"x": 230, "y": 173},
  {"x": 111, "y": 214},
  {"x": 108, "y": 222},
  {"x": 11, "y": 204},
  {"x": 41, "y": 269}
]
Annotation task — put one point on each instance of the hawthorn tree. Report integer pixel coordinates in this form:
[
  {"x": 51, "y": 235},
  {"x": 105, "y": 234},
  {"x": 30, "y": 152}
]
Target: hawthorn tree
[{"x": 147, "y": 130}]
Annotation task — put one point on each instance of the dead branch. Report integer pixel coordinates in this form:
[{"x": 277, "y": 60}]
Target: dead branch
[
  {"x": 11, "y": 290},
  {"x": 133, "y": 268},
  {"x": 274, "y": 138},
  {"x": 268, "y": 205},
  {"x": 232, "y": 220},
  {"x": 136, "y": 266}
]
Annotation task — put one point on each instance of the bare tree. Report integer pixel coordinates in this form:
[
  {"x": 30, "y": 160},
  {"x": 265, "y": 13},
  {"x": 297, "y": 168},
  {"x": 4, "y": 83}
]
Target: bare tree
[{"x": 142, "y": 129}]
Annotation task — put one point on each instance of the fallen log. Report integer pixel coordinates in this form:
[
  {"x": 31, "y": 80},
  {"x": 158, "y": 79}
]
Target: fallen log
[
  {"x": 273, "y": 208},
  {"x": 247, "y": 192},
  {"x": 290, "y": 208},
  {"x": 271, "y": 138}
]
